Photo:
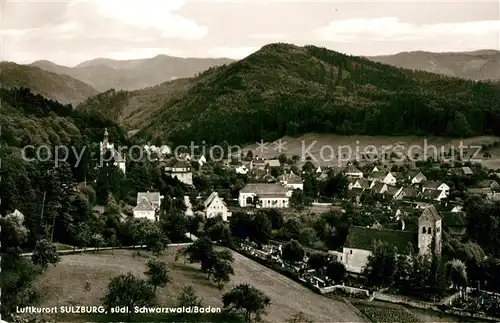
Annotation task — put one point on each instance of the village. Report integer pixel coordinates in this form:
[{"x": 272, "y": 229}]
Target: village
[{"x": 409, "y": 207}]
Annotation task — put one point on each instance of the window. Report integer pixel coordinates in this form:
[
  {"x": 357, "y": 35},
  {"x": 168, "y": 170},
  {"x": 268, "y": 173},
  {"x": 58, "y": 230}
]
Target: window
[
  {"x": 351, "y": 252},
  {"x": 430, "y": 230},
  {"x": 423, "y": 229}
]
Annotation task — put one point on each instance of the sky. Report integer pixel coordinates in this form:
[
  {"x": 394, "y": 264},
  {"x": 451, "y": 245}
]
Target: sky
[{"x": 69, "y": 32}]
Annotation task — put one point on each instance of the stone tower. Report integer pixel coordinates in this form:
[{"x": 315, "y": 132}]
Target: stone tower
[{"x": 429, "y": 228}]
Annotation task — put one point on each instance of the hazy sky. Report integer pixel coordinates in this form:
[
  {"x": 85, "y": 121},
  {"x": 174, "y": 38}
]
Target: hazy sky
[{"x": 69, "y": 32}]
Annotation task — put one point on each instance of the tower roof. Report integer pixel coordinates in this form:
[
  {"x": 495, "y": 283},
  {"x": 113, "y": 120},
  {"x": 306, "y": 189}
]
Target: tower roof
[{"x": 430, "y": 213}]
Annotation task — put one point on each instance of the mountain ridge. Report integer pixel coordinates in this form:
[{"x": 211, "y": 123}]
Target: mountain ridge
[
  {"x": 104, "y": 74},
  {"x": 284, "y": 89},
  {"x": 55, "y": 86},
  {"x": 473, "y": 65}
]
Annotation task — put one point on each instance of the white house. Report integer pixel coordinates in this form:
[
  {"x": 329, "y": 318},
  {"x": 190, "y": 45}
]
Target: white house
[
  {"x": 436, "y": 195},
  {"x": 384, "y": 177},
  {"x": 318, "y": 170},
  {"x": 360, "y": 240},
  {"x": 359, "y": 183},
  {"x": 419, "y": 178},
  {"x": 154, "y": 198},
  {"x": 379, "y": 187},
  {"x": 181, "y": 170},
  {"x": 106, "y": 146},
  {"x": 269, "y": 195},
  {"x": 215, "y": 206},
  {"x": 434, "y": 185},
  {"x": 352, "y": 171},
  {"x": 292, "y": 181},
  {"x": 144, "y": 209},
  {"x": 148, "y": 205}
]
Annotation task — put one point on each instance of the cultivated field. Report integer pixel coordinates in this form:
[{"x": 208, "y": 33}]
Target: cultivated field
[
  {"x": 64, "y": 285},
  {"x": 387, "y": 312},
  {"x": 333, "y": 150}
]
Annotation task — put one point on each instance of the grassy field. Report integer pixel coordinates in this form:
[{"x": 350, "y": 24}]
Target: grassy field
[
  {"x": 322, "y": 143},
  {"x": 64, "y": 285}
]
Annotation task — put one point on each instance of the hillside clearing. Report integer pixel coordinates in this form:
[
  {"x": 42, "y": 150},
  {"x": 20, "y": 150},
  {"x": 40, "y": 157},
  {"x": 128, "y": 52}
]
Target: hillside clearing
[{"x": 64, "y": 285}]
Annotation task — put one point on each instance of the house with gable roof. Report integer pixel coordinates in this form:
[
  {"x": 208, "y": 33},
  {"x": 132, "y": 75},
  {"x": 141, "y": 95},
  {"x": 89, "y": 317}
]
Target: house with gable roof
[
  {"x": 215, "y": 206},
  {"x": 360, "y": 241},
  {"x": 148, "y": 205},
  {"x": 383, "y": 177},
  {"x": 352, "y": 171},
  {"x": 435, "y": 185}
]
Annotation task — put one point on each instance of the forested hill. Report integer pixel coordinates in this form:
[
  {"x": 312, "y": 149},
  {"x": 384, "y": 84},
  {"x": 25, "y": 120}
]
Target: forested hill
[
  {"x": 29, "y": 119},
  {"x": 284, "y": 89},
  {"x": 59, "y": 87}
]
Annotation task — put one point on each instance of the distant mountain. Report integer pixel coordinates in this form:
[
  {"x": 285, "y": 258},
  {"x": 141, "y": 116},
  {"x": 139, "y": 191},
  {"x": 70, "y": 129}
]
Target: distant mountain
[
  {"x": 476, "y": 65},
  {"x": 283, "y": 89},
  {"x": 104, "y": 74},
  {"x": 55, "y": 86}
]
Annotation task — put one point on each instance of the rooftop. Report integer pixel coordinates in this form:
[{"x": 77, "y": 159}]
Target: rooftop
[
  {"x": 364, "y": 238},
  {"x": 265, "y": 189},
  {"x": 430, "y": 213},
  {"x": 150, "y": 196},
  {"x": 144, "y": 205}
]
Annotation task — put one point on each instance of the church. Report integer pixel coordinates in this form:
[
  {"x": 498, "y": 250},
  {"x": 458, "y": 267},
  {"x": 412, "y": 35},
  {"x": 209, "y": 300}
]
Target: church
[
  {"x": 119, "y": 160},
  {"x": 360, "y": 240}
]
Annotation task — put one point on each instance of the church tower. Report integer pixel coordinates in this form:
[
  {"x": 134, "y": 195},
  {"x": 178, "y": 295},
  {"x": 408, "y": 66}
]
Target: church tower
[{"x": 429, "y": 229}]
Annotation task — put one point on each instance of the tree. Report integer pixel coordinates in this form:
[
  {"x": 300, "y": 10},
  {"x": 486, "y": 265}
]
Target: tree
[
  {"x": 199, "y": 250},
  {"x": 128, "y": 290},
  {"x": 247, "y": 300},
  {"x": 193, "y": 224},
  {"x": 222, "y": 268},
  {"x": 81, "y": 235},
  {"x": 317, "y": 261},
  {"x": 97, "y": 241},
  {"x": 113, "y": 241},
  {"x": 240, "y": 224},
  {"x": 299, "y": 317},
  {"x": 381, "y": 265},
  {"x": 188, "y": 298},
  {"x": 457, "y": 273},
  {"x": 299, "y": 200},
  {"x": 336, "y": 271},
  {"x": 175, "y": 226},
  {"x": 291, "y": 229},
  {"x": 156, "y": 240},
  {"x": 293, "y": 252},
  {"x": 157, "y": 273},
  {"x": 261, "y": 228},
  {"x": 276, "y": 218},
  {"x": 45, "y": 253},
  {"x": 18, "y": 273}
]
